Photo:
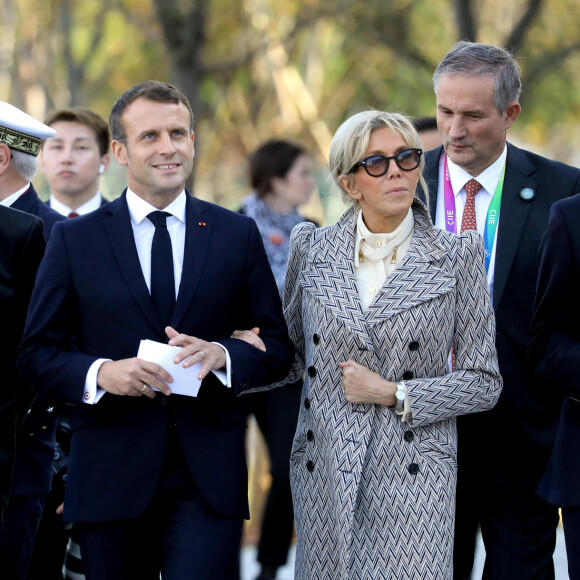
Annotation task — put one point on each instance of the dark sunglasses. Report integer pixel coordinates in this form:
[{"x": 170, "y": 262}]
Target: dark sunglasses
[{"x": 378, "y": 165}]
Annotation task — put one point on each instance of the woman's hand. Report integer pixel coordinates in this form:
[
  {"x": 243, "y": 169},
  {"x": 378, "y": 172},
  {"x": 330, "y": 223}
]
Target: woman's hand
[
  {"x": 361, "y": 385},
  {"x": 251, "y": 337}
]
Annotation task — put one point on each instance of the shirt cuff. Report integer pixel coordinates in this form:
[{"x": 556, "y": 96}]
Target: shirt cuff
[
  {"x": 405, "y": 413},
  {"x": 225, "y": 377},
  {"x": 93, "y": 393}
]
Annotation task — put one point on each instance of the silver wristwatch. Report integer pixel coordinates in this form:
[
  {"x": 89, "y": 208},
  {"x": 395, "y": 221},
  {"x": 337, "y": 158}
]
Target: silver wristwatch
[{"x": 400, "y": 395}]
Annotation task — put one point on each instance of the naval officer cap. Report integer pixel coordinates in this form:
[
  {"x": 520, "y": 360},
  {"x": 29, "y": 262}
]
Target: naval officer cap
[{"x": 21, "y": 131}]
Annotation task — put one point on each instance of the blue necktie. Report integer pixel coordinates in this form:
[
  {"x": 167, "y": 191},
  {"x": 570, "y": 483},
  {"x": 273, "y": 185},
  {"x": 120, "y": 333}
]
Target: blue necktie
[{"x": 162, "y": 277}]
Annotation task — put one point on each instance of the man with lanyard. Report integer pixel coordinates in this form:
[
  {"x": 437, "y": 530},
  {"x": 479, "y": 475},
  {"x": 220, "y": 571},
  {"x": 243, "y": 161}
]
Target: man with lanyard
[{"x": 479, "y": 181}]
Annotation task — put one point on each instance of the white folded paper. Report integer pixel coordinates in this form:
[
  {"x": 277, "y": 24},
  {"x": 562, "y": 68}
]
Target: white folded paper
[{"x": 185, "y": 381}]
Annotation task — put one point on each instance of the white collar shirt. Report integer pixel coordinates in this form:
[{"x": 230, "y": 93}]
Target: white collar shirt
[
  {"x": 143, "y": 230},
  {"x": 12, "y": 198},
  {"x": 489, "y": 180},
  {"x": 87, "y": 207}
]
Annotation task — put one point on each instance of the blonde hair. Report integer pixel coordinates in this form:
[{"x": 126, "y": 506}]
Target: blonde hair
[{"x": 351, "y": 140}]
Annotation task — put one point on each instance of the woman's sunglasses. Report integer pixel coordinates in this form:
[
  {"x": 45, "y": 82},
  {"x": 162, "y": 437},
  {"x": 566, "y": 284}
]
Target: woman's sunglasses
[{"x": 378, "y": 165}]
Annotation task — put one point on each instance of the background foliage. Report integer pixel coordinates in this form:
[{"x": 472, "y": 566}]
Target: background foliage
[{"x": 254, "y": 69}]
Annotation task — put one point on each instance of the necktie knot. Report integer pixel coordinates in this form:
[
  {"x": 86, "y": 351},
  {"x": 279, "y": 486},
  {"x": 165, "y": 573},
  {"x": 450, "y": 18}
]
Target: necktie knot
[
  {"x": 472, "y": 187},
  {"x": 73, "y": 214},
  {"x": 158, "y": 218}
]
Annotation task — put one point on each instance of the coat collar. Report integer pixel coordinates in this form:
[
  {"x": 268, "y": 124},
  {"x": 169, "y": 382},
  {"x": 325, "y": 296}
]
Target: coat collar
[{"x": 330, "y": 274}]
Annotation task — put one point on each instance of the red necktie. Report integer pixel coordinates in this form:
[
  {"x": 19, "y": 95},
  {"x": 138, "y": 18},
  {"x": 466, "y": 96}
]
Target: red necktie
[
  {"x": 73, "y": 214},
  {"x": 469, "y": 222}
]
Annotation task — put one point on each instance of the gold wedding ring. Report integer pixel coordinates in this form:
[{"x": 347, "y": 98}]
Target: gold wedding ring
[{"x": 144, "y": 389}]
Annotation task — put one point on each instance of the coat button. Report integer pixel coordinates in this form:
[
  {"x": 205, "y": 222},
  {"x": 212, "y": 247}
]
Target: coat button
[
  {"x": 414, "y": 345},
  {"x": 311, "y": 372},
  {"x": 408, "y": 436},
  {"x": 307, "y": 403},
  {"x": 315, "y": 338},
  {"x": 163, "y": 402},
  {"x": 310, "y": 435},
  {"x": 408, "y": 375},
  {"x": 413, "y": 469},
  {"x": 310, "y": 466}
]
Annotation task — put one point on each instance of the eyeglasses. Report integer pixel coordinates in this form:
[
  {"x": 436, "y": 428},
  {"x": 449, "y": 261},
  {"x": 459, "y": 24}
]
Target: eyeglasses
[{"x": 378, "y": 165}]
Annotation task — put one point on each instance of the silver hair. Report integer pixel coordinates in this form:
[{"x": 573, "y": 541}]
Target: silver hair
[
  {"x": 24, "y": 164},
  {"x": 478, "y": 59},
  {"x": 351, "y": 140}
]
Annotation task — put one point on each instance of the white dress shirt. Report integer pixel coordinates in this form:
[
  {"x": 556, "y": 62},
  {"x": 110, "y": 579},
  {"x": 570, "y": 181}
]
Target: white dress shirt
[
  {"x": 12, "y": 198},
  {"x": 375, "y": 257},
  {"x": 87, "y": 207},
  {"x": 143, "y": 230},
  {"x": 459, "y": 177}
]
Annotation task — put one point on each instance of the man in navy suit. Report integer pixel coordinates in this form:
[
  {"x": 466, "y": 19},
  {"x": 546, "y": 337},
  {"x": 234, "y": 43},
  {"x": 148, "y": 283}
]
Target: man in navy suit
[
  {"x": 22, "y": 247},
  {"x": 75, "y": 159},
  {"x": 502, "y": 453},
  {"x": 156, "y": 482},
  {"x": 555, "y": 345},
  {"x": 20, "y": 141}
]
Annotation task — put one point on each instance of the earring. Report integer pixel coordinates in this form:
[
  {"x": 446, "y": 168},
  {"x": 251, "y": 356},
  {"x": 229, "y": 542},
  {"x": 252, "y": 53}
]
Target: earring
[{"x": 101, "y": 168}]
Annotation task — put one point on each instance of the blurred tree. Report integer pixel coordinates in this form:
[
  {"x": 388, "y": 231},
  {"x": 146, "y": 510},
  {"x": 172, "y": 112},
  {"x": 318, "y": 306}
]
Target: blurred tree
[{"x": 296, "y": 68}]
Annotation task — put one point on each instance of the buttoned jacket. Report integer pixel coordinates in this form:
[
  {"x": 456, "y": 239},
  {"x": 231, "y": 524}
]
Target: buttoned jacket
[
  {"x": 374, "y": 496},
  {"x": 91, "y": 301}
]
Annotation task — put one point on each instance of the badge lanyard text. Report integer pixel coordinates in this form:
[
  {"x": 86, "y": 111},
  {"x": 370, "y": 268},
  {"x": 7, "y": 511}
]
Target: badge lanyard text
[{"x": 492, "y": 213}]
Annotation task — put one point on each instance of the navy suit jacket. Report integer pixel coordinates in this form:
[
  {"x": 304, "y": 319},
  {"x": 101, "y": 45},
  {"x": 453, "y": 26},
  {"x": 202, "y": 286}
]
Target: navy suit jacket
[
  {"x": 555, "y": 345},
  {"x": 31, "y": 203},
  {"x": 91, "y": 287},
  {"x": 21, "y": 249},
  {"x": 513, "y": 441},
  {"x": 36, "y": 437}
]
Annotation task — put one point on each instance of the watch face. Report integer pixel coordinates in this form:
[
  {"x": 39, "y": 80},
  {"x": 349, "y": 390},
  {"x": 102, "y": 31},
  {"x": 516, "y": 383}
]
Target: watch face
[{"x": 400, "y": 395}]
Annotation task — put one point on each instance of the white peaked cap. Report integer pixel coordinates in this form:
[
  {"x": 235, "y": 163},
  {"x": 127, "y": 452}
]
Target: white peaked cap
[{"x": 21, "y": 131}]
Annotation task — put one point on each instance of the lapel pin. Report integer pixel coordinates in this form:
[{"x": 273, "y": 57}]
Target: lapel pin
[
  {"x": 527, "y": 194},
  {"x": 201, "y": 224}
]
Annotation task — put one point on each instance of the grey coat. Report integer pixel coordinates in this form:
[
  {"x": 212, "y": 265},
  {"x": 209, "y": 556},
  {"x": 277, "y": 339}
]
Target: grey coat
[{"x": 374, "y": 496}]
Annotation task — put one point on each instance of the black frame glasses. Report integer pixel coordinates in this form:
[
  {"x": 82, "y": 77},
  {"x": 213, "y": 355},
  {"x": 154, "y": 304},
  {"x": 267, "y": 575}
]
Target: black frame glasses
[{"x": 406, "y": 160}]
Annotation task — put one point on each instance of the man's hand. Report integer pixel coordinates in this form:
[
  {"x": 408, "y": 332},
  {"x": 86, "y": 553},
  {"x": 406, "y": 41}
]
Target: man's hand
[
  {"x": 196, "y": 350},
  {"x": 251, "y": 337},
  {"x": 361, "y": 385},
  {"x": 133, "y": 377}
]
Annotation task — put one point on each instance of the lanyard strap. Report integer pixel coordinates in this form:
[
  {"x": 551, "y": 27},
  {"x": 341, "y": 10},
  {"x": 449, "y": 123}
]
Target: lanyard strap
[{"x": 492, "y": 212}]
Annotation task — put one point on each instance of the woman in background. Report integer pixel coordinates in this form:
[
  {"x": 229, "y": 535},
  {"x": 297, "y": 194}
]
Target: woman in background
[{"x": 282, "y": 180}]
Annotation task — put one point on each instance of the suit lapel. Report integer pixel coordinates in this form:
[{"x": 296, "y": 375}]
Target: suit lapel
[
  {"x": 513, "y": 216},
  {"x": 120, "y": 234},
  {"x": 431, "y": 174},
  {"x": 329, "y": 275},
  {"x": 197, "y": 235}
]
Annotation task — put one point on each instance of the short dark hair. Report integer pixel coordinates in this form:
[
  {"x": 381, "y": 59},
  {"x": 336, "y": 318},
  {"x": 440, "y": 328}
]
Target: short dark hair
[
  {"x": 152, "y": 91},
  {"x": 273, "y": 158},
  {"x": 424, "y": 123},
  {"x": 86, "y": 117},
  {"x": 477, "y": 59}
]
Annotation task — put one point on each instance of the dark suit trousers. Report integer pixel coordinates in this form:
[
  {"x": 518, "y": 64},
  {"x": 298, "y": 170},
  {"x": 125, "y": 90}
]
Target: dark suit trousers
[
  {"x": 276, "y": 412},
  {"x": 518, "y": 530},
  {"x": 179, "y": 536},
  {"x": 21, "y": 519}
]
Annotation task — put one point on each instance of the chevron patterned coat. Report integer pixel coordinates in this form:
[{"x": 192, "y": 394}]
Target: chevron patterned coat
[{"x": 374, "y": 496}]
